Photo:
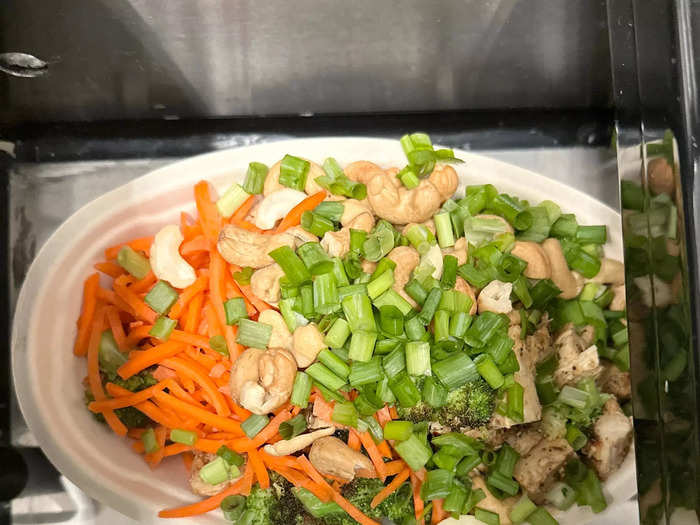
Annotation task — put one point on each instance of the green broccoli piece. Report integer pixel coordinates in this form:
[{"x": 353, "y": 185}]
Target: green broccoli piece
[
  {"x": 130, "y": 416},
  {"x": 397, "y": 507},
  {"x": 418, "y": 413},
  {"x": 136, "y": 382},
  {"x": 468, "y": 406},
  {"x": 277, "y": 505}
]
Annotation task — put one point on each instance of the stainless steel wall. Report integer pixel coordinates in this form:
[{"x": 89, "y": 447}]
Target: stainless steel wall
[{"x": 180, "y": 58}]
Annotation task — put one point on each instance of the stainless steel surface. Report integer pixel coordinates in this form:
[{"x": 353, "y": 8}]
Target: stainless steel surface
[{"x": 117, "y": 59}]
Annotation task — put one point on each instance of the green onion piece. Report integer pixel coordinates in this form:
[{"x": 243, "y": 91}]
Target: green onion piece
[
  {"x": 574, "y": 397},
  {"x": 564, "y": 227},
  {"x": 253, "y": 334},
  {"x": 475, "y": 496},
  {"x": 338, "y": 333},
  {"x": 293, "y": 427},
  {"x": 455, "y": 371},
  {"x": 459, "y": 323},
  {"x": 133, "y": 262},
  {"x": 293, "y": 267},
  {"x": 541, "y": 517},
  {"x": 404, "y": 390},
  {"x": 357, "y": 288},
  {"x": 575, "y": 437},
  {"x": 632, "y": 196},
  {"x": 486, "y": 516},
  {"x": 316, "y": 224},
  {"x": 449, "y": 272},
  {"x": 231, "y": 457},
  {"x": 414, "y": 329},
  {"x": 357, "y": 239},
  {"x": 255, "y": 178},
  {"x": 591, "y": 234},
  {"x": 391, "y": 320},
  {"x": 315, "y": 258},
  {"x": 334, "y": 363},
  {"x": 378, "y": 243},
  {"x": 408, "y": 177},
  {"x": 539, "y": 224},
  {"x": 218, "y": 344},
  {"x": 489, "y": 457},
  {"x": 510, "y": 365},
  {"x": 332, "y": 210},
  {"x": 444, "y": 459},
  {"x": 254, "y": 424},
  {"x": 185, "y": 437},
  {"x": 398, "y": 430},
  {"x": 341, "y": 276},
  {"x": 590, "y": 291},
  {"x": 589, "y": 492},
  {"x": 243, "y": 276},
  {"x": 561, "y": 495},
  {"x": 381, "y": 284},
  {"x": 367, "y": 403},
  {"x": 345, "y": 414},
  {"x": 394, "y": 363},
  {"x": 507, "y": 458},
  {"x": 430, "y": 306},
  {"x": 485, "y": 327},
  {"x": 487, "y": 369},
  {"x": 515, "y": 406},
  {"x": 441, "y": 325},
  {"x": 216, "y": 471},
  {"x": 163, "y": 327},
  {"x": 231, "y": 200},
  {"x": 522, "y": 509},
  {"x": 293, "y": 172},
  {"x": 150, "y": 443},
  {"x": 365, "y": 373},
  {"x": 382, "y": 266},
  {"x": 420, "y": 237},
  {"x": 288, "y": 314},
  {"x": 579, "y": 260},
  {"x": 437, "y": 484},
  {"x": 466, "y": 465},
  {"x": 546, "y": 390},
  {"x": 434, "y": 394},
  {"x": 604, "y": 299},
  {"x": 474, "y": 276},
  {"x": 455, "y": 500},
  {"x": 233, "y": 508},
  {"x": 307, "y": 300},
  {"x": 314, "y": 506},
  {"x": 384, "y": 392},
  {"x": 358, "y": 312},
  {"x": 414, "y": 452},
  {"x": 467, "y": 446},
  {"x": 499, "y": 348},
  {"x": 235, "y": 310},
  {"x": 443, "y": 229},
  {"x": 362, "y": 345},
  {"x": 323, "y": 375},
  {"x": 503, "y": 483},
  {"x": 301, "y": 389},
  {"x": 418, "y": 358},
  {"x": 161, "y": 297},
  {"x": 325, "y": 294},
  {"x": 521, "y": 291},
  {"x": 415, "y": 291},
  {"x": 392, "y": 297}
]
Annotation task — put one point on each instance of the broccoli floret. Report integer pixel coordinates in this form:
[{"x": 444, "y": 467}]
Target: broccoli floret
[
  {"x": 130, "y": 416},
  {"x": 277, "y": 505},
  {"x": 397, "y": 507},
  {"x": 468, "y": 406},
  {"x": 136, "y": 382},
  {"x": 418, "y": 413}
]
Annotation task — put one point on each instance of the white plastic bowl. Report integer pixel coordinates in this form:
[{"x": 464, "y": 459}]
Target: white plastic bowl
[{"x": 48, "y": 378}]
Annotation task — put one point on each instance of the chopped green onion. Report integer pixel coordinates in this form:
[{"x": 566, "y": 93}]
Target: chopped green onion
[
  {"x": 591, "y": 234},
  {"x": 522, "y": 509},
  {"x": 488, "y": 370},
  {"x": 293, "y": 267},
  {"x": 384, "y": 392},
  {"x": 323, "y": 375},
  {"x": 465, "y": 445},
  {"x": 392, "y": 297},
  {"x": 503, "y": 483},
  {"x": 510, "y": 365},
  {"x": 231, "y": 200},
  {"x": 254, "y": 424},
  {"x": 352, "y": 289},
  {"x": 231, "y": 457},
  {"x": 539, "y": 224},
  {"x": 243, "y": 276},
  {"x": 332, "y": 210},
  {"x": 561, "y": 495},
  {"x": 418, "y": 358},
  {"x": 415, "y": 291},
  {"x": 474, "y": 276},
  {"x": 414, "y": 329},
  {"x": 574, "y": 397},
  {"x": 293, "y": 427},
  {"x": 499, "y": 348},
  {"x": 486, "y": 516},
  {"x": 434, "y": 394},
  {"x": 185, "y": 437},
  {"x": 215, "y": 472},
  {"x": 288, "y": 313},
  {"x": 441, "y": 325},
  {"x": 316, "y": 224},
  {"x": 485, "y": 326},
  {"x": 325, "y": 294},
  {"x": 357, "y": 239},
  {"x": 150, "y": 443},
  {"x": 459, "y": 322},
  {"x": 456, "y": 499},
  {"x": 313, "y": 505},
  {"x": 507, "y": 458},
  {"x": 381, "y": 284},
  {"x": 341, "y": 276},
  {"x": 365, "y": 373},
  {"x": 420, "y": 237},
  {"x": 345, "y": 414},
  {"x": 515, "y": 404},
  {"x": 467, "y": 464},
  {"x": 358, "y": 312},
  {"x": 253, "y": 334},
  {"x": 133, "y": 262},
  {"x": 579, "y": 260},
  {"x": 362, "y": 345},
  {"x": 233, "y": 508},
  {"x": 334, "y": 363},
  {"x": 564, "y": 227},
  {"x": 293, "y": 172},
  {"x": 414, "y": 452},
  {"x": 301, "y": 389},
  {"x": 163, "y": 327},
  {"x": 218, "y": 344},
  {"x": 404, "y": 390},
  {"x": 338, "y": 333},
  {"x": 430, "y": 306},
  {"x": 575, "y": 437},
  {"x": 437, "y": 485},
  {"x": 255, "y": 178},
  {"x": 443, "y": 229},
  {"x": 161, "y": 297},
  {"x": 541, "y": 517},
  {"x": 455, "y": 371},
  {"x": 307, "y": 300},
  {"x": 398, "y": 430},
  {"x": 408, "y": 178},
  {"x": 394, "y": 363},
  {"x": 449, "y": 272},
  {"x": 391, "y": 320},
  {"x": 589, "y": 492},
  {"x": 315, "y": 258},
  {"x": 235, "y": 310},
  {"x": 367, "y": 403},
  {"x": 475, "y": 496},
  {"x": 445, "y": 459}
]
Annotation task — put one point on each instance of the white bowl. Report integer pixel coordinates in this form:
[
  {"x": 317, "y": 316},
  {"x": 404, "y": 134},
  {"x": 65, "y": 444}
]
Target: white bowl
[{"x": 48, "y": 378}]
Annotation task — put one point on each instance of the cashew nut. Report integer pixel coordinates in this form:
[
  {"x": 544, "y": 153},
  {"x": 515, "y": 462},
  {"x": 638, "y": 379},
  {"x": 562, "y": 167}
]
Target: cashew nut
[
  {"x": 276, "y": 206},
  {"x": 337, "y": 244},
  {"x": 434, "y": 257},
  {"x": 406, "y": 259},
  {"x": 308, "y": 343},
  {"x": 362, "y": 171},
  {"x": 290, "y": 446},
  {"x": 281, "y": 337},
  {"x": 246, "y": 248},
  {"x": 538, "y": 266},
  {"x": 495, "y": 297},
  {"x": 265, "y": 283},
  {"x": 333, "y": 457},
  {"x": 262, "y": 381},
  {"x": 661, "y": 179},
  {"x": 611, "y": 272},
  {"x": 357, "y": 215},
  {"x": 197, "y": 485},
  {"x": 459, "y": 250},
  {"x": 272, "y": 180},
  {"x": 463, "y": 286},
  {"x": 619, "y": 300},
  {"x": 562, "y": 277},
  {"x": 166, "y": 262},
  {"x": 368, "y": 266}
]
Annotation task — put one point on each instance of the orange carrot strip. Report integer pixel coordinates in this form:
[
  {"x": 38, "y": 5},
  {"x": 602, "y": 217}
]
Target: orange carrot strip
[
  {"x": 135, "y": 433},
  {"x": 242, "y": 212},
  {"x": 241, "y": 412},
  {"x": 259, "y": 468},
  {"x": 127, "y": 401},
  {"x": 198, "y": 244},
  {"x": 144, "y": 284},
  {"x": 293, "y": 218},
  {"x": 187, "y": 295},
  {"x": 147, "y": 407},
  {"x": 242, "y": 223},
  {"x": 181, "y": 394},
  {"x": 391, "y": 487},
  {"x": 208, "y": 213},
  {"x": 187, "y": 459},
  {"x": 110, "y": 268},
  {"x": 138, "y": 333},
  {"x": 141, "y": 244},
  {"x": 294, "y": 477},
  {"x": 199, "y": 375},
  {"x": 194, "y": 313},
  {"x": 385, "y": 450},
  {"x": 200, "y": 414},
  {"x": 221, "y": 436},
  {"x": 156, "y": 457},
  {"x": 394, "y": 467},
  {"x": 115, "y": 324},
  {"x": 174, "y": 449},
  {"x": 190, "y": 339},
  {"x": 383, "y": 416},
  {"x": 259, "y": 304},
  {"x": 271, "y": 429},
  {"x": 141, "y": 309},
  {"x": 242, "y": 486},
  {"x": 217, "y": 269},
  {"x": 109, "y": 297},
  {"x": 374, "y": 453},
  {"x": 393, "y": 413},
  {"x": 438, "y": 513},
  {"x": 93, "y": 366},
  {"x": 208, "y": 445},
  {"x": 354, "y": 440},
  {"x": 418, "y": 504},
  {"x": 90, "y": 288},
  {"x": 149, "y": 358},
  {"x": 323, "y": 409}
]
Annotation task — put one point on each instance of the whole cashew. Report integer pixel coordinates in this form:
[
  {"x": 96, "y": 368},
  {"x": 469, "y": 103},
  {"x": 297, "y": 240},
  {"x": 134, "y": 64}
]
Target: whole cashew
[
  {"x": 459, "y": 250},
  {"x": 290, "y": 446},
  {"x": 562, "y": 277},
  {"x": 246, "y": 248},
  {"x": 661, "y": 179},
  {"x": 495, "y": 297},
  {"x": 166, "y": 262},
  {"x": 619, "y": 301},
  {"x": 357, "y": 215},
  {"x": 362, "y": 171},
  {"x": 265, "y": 283},
  {"x": 308, "y": 343},
  {"x": 337, "y": 244},
  {"x": 276, "y": 206},
  {"x": 611, "y": 272},
  {"x": 333, "y": 457},
  {"x": 538, "y": 266},
  {"x": 281, "y": 337},
  {"x": 463, "y": 286},
  {"x": 406, "y": 259},
  {"x": 262, "y": 381},
  {"x": 272, "y": 180}
]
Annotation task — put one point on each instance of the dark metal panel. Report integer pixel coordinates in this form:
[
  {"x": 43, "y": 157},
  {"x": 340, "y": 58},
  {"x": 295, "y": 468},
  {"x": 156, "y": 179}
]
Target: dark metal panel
[{"x": 115, "y": 59}]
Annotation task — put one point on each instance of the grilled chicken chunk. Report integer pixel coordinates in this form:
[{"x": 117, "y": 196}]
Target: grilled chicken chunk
[
  {"x": 541, "y": 467},
  {"x": 611, "y": 440}
]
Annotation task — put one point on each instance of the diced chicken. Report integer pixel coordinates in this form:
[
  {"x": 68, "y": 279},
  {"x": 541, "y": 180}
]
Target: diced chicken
[
  {"x": 576, "y": 361},
  {"x": 611, "y": 439},
  {"x": 532, "y": 410},
  {"x": 491, "y": 503},
  {"x": 523, "y": 438},
  {"x": 197, "y": 484},
  {"x": 539, "y": 342},
  {"x": 614, "y": 381},
  {"x": 587, "y": 335},
  {"x": 491, "y": 437},
  {"x": 541, "y": 467}
]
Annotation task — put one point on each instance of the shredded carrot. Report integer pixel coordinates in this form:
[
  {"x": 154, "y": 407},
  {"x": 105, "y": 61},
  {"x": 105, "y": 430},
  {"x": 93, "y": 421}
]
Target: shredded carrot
[
  {"x": 242, "y": 212},
  {"x": 382, "y": 416},
  {"x": 208, "y": 213},
  {"x": 181, "y": 407},
  {"x": 90, "y": 288},
  {"x": 198, "y": 244},
  {"x": 374, "y": 454},
  {"x": 149, "y": 358},
  {"x": 193, "y": 313},
  {"x": 393, "y": 413},
  {"x": 187, "y": 295},
  {"x": 438, "y": 513},
  {"x": 194, "y": 371},
  {"x": 208, "y": 445},
  {"x": 142, "y": 244},
  {"x": 385, "y": 450},
  {"x": 271, "y": 429},
  {"x": 115, "y": 324},
  {"x": 391, "y": 487},
  {"x": 259, "y": 304},
  {"x": 144, "y": 284},
  {"x": 190, "y": 339},
  {"x": 135, "y": 433},
  {"x": 187, "y": 459},
  {"x": 354, "y": 440},
  {"x": 110, "y": 268},
  {"x": 418, "y": 504},
  {"x": 259, "y": 469},
  {"x": 140, "y": 308},
  {"x": 156, "y": 457},
  {"x": 174, "y": 449},
  {"x": 293, "y": 218},
  {"x": 323, "y": 409},
  {"x": 394, "y": 467},
  {"x": 127, "y": 401},
  {"x": 217, "y": 269}
]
